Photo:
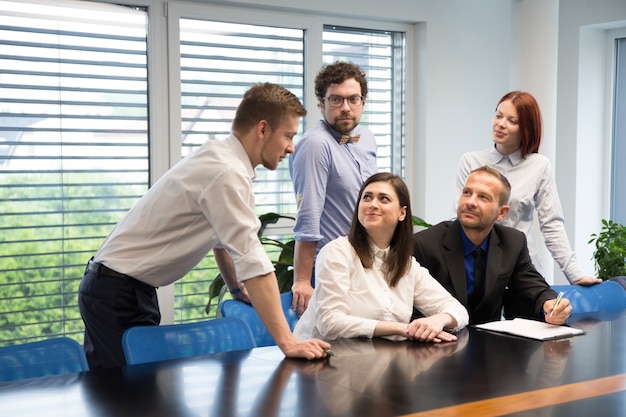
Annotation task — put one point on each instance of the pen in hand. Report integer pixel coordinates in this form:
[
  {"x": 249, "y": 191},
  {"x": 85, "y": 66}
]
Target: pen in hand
[{"x": 558, "y": 300}]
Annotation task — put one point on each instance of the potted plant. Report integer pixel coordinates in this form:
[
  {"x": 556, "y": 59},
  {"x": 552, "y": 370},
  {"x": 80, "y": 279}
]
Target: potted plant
[
  {"x": 610, "y": 252},
  {"x": 283, "y": 265}
]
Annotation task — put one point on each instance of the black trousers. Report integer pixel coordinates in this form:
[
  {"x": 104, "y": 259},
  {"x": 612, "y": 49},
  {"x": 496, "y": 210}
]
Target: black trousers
[{"x": 110, "y": 303}]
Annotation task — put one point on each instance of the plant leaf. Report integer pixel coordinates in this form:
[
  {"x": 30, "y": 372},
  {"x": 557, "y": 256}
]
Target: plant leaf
[
  {"x": 216, "y": 286},
  {"x": 610, "y": 250},
  {"x": 418, "y": 221}
]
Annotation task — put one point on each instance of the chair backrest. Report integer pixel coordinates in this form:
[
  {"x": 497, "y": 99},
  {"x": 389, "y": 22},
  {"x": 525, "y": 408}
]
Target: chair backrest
[
  {"x": 156, "y": 343},
  {"x": 608, "y": 295},
  {"x": 239, "y": 309},
  {"x": 47, "y": 357}
]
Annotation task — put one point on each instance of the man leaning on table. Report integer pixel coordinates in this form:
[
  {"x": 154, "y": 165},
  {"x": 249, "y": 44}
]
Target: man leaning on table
[
  {"x": 448, "y": 251},
  {"x": 205, "y": 200}
]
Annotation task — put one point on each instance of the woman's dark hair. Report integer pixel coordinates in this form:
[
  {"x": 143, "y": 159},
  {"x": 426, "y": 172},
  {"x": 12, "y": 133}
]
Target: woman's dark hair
[
  {"x": 398, "y": 260},
  {"x": 529, "y": 119}
]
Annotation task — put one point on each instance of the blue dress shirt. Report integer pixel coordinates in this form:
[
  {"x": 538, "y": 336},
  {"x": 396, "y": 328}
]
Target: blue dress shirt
[
  {"x": 468, "y": 257},
  {"x": 326, "y": 178}
]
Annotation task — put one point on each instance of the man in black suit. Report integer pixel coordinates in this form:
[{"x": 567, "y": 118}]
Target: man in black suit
[{"x": 448, "y": 251}]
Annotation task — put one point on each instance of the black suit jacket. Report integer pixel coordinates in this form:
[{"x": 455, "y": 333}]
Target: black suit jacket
[{"x": 509, "y": 267}]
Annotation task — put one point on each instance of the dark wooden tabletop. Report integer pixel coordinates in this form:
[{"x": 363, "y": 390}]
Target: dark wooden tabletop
[{"x": 483, "y": 374}]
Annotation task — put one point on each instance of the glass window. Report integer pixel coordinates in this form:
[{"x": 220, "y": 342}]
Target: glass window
[
  {"x": 73, "y": 151},
  {"x": 218, "y": 63},
  {"x": 381, "y": 55}
]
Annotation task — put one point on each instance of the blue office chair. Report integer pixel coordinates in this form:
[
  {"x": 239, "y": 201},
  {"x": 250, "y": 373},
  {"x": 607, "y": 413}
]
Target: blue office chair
[
  {"x": 156, "y": 343},
  {"x": 47, "y": 357},
  {"x": 239, "y": 309},
  {"x": 606, "y": 296}
]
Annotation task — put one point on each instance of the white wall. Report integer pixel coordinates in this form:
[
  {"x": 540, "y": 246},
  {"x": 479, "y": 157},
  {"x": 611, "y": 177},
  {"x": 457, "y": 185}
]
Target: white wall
[
  {"x": 583, "y": 133},
  {"x": 534, "y": 46}
]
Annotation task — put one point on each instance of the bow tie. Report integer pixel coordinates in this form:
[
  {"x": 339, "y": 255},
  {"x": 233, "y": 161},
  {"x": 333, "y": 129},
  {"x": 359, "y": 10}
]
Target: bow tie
[{"x": 347, "y": 138}]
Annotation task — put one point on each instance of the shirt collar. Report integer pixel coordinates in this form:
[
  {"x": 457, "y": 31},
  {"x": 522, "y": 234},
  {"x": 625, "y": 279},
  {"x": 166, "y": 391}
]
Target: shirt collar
[
  {"x": 468, "y": 246},
  {"x": 336, "y": 135},
  {"x": 379, "y": 253},
  {"x": 497, "y": 157},
  {"x": 235, "y": 144}
]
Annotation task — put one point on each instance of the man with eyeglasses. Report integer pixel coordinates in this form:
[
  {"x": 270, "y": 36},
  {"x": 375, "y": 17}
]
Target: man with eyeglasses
[{"x": 330, "y": 163}]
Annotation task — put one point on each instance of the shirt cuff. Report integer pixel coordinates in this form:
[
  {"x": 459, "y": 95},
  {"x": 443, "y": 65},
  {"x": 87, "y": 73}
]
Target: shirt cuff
[
  {"x": 307, "y": 237},
  {"x": 253, "y": 264}
]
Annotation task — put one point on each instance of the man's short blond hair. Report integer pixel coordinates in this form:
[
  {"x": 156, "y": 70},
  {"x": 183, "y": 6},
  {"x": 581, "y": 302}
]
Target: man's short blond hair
[{"x": 266, "y": 101}]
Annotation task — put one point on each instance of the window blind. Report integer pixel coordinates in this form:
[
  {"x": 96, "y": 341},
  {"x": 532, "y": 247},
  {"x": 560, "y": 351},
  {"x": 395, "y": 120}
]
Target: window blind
[
  {"x": 381, "y": 55},
  {"x": 73, "y": 151},
  {"x": 74, "y": 154},
  {"x": 219, "y": 61}
]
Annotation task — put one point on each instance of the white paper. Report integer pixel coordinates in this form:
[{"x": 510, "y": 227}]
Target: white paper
[{"x": 531, "y": 328}]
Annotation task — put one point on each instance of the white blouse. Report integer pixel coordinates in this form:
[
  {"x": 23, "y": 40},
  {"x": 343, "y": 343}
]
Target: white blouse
[
  {"x": 349, "y": 300},
  {"x": 533, "y": 188}
]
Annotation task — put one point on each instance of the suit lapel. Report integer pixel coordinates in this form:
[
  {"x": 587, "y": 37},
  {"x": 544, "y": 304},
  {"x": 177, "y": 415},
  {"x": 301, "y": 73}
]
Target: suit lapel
[{"x": 453, "y": 256}]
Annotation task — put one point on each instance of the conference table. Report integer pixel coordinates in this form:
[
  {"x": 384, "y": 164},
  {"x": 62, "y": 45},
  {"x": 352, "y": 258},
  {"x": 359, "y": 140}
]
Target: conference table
[{"x": 482, "y": 374}]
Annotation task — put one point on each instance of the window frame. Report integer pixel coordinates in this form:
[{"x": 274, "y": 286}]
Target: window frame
[
  {"x": 313, "y": 25},
  {"x": 164, "y": 107},
  {"x": 617, "y": 129},
  {"x": 71, "y": 262}
]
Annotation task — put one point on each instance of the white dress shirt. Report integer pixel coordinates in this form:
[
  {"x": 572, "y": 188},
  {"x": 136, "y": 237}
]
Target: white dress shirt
[
  {"x": 349, "y": 300},
  {"x": 533, "y": 188},
  {"x": 205, "y": 199}
]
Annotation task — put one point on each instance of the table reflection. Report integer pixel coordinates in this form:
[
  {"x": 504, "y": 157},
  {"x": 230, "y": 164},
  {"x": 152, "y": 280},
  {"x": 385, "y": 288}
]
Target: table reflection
[
  {"x": 368, "y": 377},
  {"x": 378, "y": 369},
  {"x": 43, "y": 396},
  {"x": 492, "y": 365}
]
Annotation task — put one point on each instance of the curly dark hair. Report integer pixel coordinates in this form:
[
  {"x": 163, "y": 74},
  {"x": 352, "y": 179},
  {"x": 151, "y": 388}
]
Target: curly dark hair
[{"x": 336, "y": 74}]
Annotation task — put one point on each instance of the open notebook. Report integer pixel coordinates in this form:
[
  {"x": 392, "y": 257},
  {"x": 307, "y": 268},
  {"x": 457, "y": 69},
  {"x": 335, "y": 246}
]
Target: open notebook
[{"x": 532, "y": 329}]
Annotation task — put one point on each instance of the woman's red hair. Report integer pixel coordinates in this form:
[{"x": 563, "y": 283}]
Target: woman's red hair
[{"x": 529, "y": 119}]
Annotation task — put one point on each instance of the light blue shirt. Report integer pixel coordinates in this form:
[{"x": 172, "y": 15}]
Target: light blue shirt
[{"x": 327, "y": 177}]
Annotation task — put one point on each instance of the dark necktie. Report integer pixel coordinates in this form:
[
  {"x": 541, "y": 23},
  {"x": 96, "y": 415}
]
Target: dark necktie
[
  {"x": 347, "y": 138},
  {"x": 479, "y": 278}
]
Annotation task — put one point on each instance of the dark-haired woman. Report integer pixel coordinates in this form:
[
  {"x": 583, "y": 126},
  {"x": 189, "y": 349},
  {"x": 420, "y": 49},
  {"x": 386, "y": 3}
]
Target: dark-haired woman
[{"x": 368, "y": 282}]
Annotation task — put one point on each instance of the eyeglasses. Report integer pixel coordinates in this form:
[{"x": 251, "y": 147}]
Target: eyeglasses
[{"x": 337, "y": 101}]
